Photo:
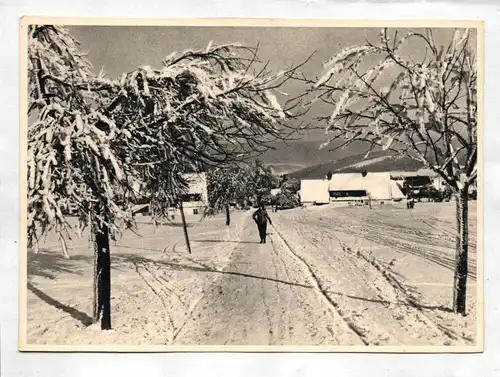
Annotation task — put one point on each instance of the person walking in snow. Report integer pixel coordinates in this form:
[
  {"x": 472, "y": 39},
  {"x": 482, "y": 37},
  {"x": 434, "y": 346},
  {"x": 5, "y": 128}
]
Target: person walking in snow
[{"x": 261, "y": 217}]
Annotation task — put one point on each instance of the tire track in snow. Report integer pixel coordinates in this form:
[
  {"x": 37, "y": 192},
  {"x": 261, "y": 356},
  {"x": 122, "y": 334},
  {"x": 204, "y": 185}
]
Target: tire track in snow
[
  {"x": 375, "y": 335},
  {"x": 409, "y": 299},
  {"x": 194, "y": 303},
  {"x": 372, "y": 233},
  {"x": 399, "y": 290},
  {"x": 317, "y": 285},
  {"x": 157, "y": 293}
]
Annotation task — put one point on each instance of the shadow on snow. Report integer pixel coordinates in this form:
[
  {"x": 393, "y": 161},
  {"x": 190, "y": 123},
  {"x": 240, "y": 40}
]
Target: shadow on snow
[
  {"x": 135, "y": 259},
  {"x": 76, "y": 314},
  {"x": 223, "y": 241},
  {"x": 48, "y": 263}
]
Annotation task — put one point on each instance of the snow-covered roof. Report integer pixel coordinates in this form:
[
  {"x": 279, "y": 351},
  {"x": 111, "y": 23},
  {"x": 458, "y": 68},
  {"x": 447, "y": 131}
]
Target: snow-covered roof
[
  {"x": 346, "y": 182},
  {"x": 378, "y": 185},
  {"x": 314, "y": 191},
  {"x": 396, "y": 191}
]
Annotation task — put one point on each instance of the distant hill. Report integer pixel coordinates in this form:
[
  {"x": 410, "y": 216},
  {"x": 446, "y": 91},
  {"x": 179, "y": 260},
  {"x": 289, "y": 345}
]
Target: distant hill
[
  {"x": 285, "y": 168},
  {"x": 376, "y": 162},
  {"x": 302, "y": 153},
  {"x": 303, "y": 159}
]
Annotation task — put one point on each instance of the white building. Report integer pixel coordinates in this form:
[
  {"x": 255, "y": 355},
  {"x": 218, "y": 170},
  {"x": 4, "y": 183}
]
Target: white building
[
  {"x": 356, "y": 187},
  {"x": 196, "y": 196},
  {"x": 349, "y": 188},
  {"x": 314, "y": 191}
]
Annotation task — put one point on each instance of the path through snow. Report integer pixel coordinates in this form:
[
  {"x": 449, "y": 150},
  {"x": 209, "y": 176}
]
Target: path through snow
[{"x": 326, "y": 276}]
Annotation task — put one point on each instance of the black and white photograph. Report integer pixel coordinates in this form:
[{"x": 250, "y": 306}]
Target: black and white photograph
[{"x": 251, "y": 185}]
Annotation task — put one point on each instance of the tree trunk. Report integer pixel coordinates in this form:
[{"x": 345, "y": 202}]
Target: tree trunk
[
  {"x": 102, "y": 278},
  {"x": 461, "y": 253},
  {"x": 64, "y": 246},
  {"x": 184, "y": 226},
  {"x": 228, "y": 215}
]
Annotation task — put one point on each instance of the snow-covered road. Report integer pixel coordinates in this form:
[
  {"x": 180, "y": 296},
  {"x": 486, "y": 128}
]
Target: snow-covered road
[{"x": 327, "y": 276}]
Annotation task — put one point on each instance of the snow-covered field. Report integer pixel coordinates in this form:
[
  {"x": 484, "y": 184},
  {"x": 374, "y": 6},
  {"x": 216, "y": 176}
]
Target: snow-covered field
[{"x": 330, "y": 276}]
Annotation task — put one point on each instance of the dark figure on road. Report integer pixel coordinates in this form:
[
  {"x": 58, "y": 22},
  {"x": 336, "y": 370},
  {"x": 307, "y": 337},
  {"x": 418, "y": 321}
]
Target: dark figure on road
[{"x": 260, "y": 217}]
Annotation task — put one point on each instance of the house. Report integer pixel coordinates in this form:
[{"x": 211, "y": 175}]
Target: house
[
  {"x": 348, "y": 188},
  {"x": 364, "y": 188},
  {"x": 417, "y": 183},
  {"x": 438, "y": 182},
  {"x": 193, "y": 199},
  {"x": 196, "y": 195},
  {"x": 417, "y": 180},
  {"x": 314, "y": 191}
]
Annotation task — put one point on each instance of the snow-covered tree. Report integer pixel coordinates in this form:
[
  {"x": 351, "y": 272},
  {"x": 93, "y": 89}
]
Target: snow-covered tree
[
  {"x": 286, "y": 199},
  {"x": 422, "y": 106},
  {"x": 287, "y": 196},
  {"x": 90, "y": 138},
  {"x": 75, "y": 154},
  {"x": 291, "y": 184},
  {"x": 239, "y": 184},
  {"x": 226, "y": 186},
  {"x": 260, "y": 182},
  {"x": 205, "y": 108}
]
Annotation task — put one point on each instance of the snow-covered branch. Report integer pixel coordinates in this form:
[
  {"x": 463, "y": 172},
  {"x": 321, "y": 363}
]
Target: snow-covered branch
[
  {"x": 428, "y": 110},
  {"x": 92, "y": 138}
]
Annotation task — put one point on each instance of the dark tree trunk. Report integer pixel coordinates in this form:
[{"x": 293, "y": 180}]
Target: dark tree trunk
[
  {"x": 102, "y": 277},
  {"x": 184, "y": 226},
  {"x": 461, "y": 256},
  {"x": 228, "y": 215}
]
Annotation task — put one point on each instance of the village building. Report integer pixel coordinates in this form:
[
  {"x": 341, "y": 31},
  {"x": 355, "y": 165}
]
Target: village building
[
  {"x": 194, "y": 198},
  {"x": 314, "y": 191},
  {"x": 421, "y": 180},
  {"x": 413, "y": 182},
  {"x": 374, "y": 188},
  {"x": 351, "y": 188}
]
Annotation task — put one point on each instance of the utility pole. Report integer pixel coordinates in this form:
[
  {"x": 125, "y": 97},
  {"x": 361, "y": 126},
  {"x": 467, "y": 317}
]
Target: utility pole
[{"x": 184, "y": 226}]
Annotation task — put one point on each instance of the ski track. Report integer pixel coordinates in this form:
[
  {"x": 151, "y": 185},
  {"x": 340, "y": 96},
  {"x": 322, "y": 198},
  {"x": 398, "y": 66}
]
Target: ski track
[
  {"x": 264, "y": 298},
  {"x": 404, "y": 310},
  {"x": 350, "y": 317},
  {"x": 402, "y": 241},
  {"x": 321, "y": 291},
  {"x": 312, "y": 282},
  {"x": 282, "y": 249},
  {"x": 230, "y": 233},
  {"x": 405, "y": 297},
  {"x": 161, "y": 282}
]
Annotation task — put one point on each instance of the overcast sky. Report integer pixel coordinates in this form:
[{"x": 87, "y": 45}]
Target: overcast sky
[{"x": 119, "y": 49}]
